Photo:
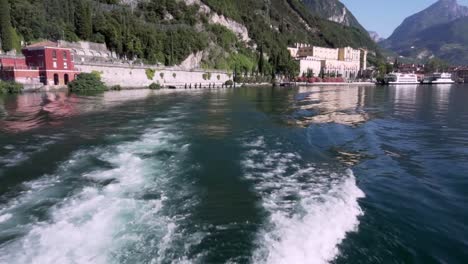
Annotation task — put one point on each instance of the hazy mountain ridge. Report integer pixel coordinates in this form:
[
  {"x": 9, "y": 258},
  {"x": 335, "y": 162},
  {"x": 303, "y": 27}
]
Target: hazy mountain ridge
[
  {"x": 440, "y": 30},
  {"x": 441, "y": 12}
]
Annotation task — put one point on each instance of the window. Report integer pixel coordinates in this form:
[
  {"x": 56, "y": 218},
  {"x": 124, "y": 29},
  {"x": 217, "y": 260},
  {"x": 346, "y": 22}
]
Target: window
[
  {"x": 56, "y": 79},
  {"x": 54, "y": 54},
  {"x": 65, "y": 65},
  {"x": 64, "y": 55},
  {"x": 55, "y": 64}
]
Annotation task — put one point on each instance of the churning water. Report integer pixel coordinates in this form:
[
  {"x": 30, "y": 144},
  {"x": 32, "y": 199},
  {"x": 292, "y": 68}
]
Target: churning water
[{"x": 253, "y": 175}]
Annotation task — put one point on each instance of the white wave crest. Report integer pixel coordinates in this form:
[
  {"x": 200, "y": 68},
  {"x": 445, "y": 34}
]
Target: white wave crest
[
  {"x": 311, "y": 210},
  {"x": 103, "y": 223},
  {"x": 5, "y": 217}
]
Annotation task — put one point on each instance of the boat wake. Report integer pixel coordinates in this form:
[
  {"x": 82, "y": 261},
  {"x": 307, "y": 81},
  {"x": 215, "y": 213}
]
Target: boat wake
[
  {"x": 310, "y": 209},
  {"x": 117, "y": 215}
]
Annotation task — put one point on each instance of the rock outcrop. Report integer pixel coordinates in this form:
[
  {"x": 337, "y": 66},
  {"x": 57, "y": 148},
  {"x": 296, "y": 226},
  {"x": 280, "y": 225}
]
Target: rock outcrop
[
  {"x": 214, "y": 18},
  {"x": 333, "y": 10}
]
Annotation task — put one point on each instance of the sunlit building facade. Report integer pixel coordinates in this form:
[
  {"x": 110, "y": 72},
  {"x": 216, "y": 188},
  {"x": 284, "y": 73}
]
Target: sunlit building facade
[
  {"x": 345, "y": 62},
  {"x": 44, "y": 63}
]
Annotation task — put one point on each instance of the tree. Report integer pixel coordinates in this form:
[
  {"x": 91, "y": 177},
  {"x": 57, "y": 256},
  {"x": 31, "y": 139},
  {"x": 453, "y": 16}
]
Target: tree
[
  {"x": 87, "y": 82},
  {"x": 389, "y": 68},
  {"x": 382, "y": 69},
  {"x": 6, "y": 30},
  {"x": 436, "y": 65},
  {"x": 10, "y": 87},
  {"x": 83, "y": 20},
  {"x": 261, "y": 62},
  {"x": 396, "y": 64}
]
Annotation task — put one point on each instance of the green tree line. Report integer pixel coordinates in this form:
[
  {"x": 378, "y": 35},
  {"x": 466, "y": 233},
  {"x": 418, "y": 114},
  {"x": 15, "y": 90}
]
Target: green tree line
[{"x": 167, "y": 31}]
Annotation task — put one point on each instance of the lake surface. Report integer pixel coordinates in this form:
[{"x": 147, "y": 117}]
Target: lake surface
[{"x": 248, "y": 175}]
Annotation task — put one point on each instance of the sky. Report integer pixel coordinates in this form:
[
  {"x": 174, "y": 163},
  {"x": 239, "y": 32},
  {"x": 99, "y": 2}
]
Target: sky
[{"x": 383, "y": 16}]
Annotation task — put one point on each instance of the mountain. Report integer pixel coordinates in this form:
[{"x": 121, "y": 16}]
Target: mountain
[
  {"x": 333, "y": 10},
  {"x": 447, "y": 41},
  {"x": 441, "y": 12},
  {"x": 375, "y": 36},
  {"x": 221, "y": 34},
  {"x": 432, "y": 32}
]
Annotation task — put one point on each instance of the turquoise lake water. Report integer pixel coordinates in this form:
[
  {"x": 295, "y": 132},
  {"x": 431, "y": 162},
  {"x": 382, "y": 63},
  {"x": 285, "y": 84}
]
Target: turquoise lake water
[{"x": 247, "y": 175}]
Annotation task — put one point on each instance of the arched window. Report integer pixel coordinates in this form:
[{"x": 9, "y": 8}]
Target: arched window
[
  {"x": 56, "y": 79},
  {"x": 65, "y": 79}
]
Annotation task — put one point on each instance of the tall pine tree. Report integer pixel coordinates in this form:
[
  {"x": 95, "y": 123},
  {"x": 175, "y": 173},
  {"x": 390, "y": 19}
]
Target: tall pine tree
[
  {"x": 261, "y": 62},
  {"x": 83, "y": 20},
  {"x": 6, "y": 30}
]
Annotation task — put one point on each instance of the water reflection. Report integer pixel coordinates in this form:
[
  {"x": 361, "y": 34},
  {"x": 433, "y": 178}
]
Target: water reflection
[
  {"x": 342, "y": 105},
  {"x": 411, "y": 100},
  {"x": 32, "y": 110},
  {"x": 443, "y": 104},
  {"x": 355, "y": 105},
  {"x": 303, "y": 106},
  {"x": 218, "y": 124},
  {"x": 28, "y": 111}
]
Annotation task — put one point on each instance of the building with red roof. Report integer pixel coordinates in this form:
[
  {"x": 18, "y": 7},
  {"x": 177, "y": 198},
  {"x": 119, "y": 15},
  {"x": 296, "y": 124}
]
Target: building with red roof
[{"x": 43, "y": 63}]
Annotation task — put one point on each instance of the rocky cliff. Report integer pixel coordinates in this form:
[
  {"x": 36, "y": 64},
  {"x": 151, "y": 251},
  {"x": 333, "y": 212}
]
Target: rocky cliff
[
  {"x": 375, "y": 36},
  {"x": 333, "y": 10}
]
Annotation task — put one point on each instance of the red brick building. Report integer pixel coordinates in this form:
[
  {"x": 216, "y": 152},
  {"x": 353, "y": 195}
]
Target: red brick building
[
  {"x": 43, "y": 62},
  {"x": 14, "y": 68}
]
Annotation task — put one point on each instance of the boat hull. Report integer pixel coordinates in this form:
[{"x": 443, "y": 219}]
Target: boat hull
[
  {"x": 396, "y": 83},
  {"x": 443, "y": 82}
]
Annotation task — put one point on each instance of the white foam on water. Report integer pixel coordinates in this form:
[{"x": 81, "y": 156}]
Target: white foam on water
[
  {"x": 311, "y": 209},
  {"x": 9, "y": 147},
  {"x": 23, "y": 152},
  {"x": 33, "y": 192},
  {"x": 315, "y": 236},
  {"x": 100, "y": 224},
  {"x": 5, "y": 217}
]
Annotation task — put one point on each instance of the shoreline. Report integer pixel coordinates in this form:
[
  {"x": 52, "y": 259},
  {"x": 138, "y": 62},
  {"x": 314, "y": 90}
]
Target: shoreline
[
  {"x": 335, "y": 84},
  {"x": 238, "y": 85}
]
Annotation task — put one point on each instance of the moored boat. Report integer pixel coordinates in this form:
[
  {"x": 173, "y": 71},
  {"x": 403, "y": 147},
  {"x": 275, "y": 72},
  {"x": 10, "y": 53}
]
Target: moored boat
[
  {"x": 401, "y": 78},
  {"x": 438, "y": 78}
]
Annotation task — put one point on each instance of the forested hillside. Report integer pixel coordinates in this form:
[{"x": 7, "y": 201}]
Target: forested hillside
[{"x": 167, "y": 31}]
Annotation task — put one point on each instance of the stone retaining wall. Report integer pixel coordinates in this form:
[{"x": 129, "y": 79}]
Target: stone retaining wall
[{"x": 136, "y": 77}]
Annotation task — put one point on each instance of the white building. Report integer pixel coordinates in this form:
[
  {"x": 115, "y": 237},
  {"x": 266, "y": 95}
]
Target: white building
[
  {"x": 345, "y": 62},
  {"x": 310, "y": 64}
]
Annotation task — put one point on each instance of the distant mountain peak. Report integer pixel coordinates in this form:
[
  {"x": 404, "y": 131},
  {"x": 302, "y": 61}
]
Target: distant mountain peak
[
  {"x": 441, "y": 12},
  {"x": 333, "y": 10},
  {"x": 439, "y": 30}
]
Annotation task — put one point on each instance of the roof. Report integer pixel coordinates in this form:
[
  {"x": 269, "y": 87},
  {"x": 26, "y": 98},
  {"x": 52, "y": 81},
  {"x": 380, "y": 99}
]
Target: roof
[{"x": 43, "y": 44}]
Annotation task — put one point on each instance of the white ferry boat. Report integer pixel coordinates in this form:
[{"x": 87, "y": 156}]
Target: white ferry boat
[
  {"x": 401, "y": 78},
  {"x": 439, "y": 78}
]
